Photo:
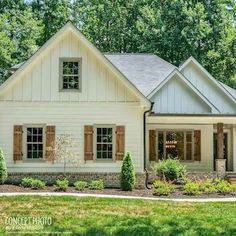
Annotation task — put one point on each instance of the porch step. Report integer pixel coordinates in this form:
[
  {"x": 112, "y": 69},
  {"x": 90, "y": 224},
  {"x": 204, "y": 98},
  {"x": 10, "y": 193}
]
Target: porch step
[{"x": 231, "y": 177}]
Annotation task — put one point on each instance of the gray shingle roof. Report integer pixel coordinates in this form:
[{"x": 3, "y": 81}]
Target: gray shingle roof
[
  {"x": 145, "y": 71},
  {"x": 229, "y": 89}
]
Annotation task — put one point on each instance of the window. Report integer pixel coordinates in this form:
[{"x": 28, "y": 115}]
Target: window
[
  {"x": 34, "y": 143},
  {"x": 175, "y": 144},
  {"x": 70, "y": 74},
  {"x": 104, "y": 143}
]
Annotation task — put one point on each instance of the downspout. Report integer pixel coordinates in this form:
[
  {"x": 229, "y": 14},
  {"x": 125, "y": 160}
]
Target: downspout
[{"x": 144, "y": 145}]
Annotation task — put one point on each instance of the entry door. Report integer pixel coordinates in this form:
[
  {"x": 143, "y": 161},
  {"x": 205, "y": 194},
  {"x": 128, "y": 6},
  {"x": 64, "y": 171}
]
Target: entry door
[{"x": 225, "y": 149}]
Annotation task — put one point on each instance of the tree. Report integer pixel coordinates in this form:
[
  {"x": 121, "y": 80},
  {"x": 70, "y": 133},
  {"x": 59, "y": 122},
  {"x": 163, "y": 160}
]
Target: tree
[
  {"x": 64, "y": 153},
  {"x": 3, "y": 168},
  {"x": 127, "y": 175}
]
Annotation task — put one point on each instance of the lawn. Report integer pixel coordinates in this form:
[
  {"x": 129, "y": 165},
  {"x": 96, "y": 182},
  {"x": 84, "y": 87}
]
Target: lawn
[{"x": 96, "y": 216}]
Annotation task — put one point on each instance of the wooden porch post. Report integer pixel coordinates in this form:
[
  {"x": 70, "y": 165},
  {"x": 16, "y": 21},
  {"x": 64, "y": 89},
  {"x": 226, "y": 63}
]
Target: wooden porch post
[
  {"x": 220, "y": 161},
  {"x": 220, "y": 141}
]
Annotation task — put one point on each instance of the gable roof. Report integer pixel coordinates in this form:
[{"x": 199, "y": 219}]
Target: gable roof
[
  {"x": 70, "y": 27},
  {"x": 188, "y": 83},
  {"x": 145, "y": 71},
  {"x": 221, "y": 86}
]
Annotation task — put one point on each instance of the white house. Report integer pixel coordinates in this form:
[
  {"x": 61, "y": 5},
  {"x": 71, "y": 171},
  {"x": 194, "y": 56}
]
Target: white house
[{"x": 110, "y": 104}]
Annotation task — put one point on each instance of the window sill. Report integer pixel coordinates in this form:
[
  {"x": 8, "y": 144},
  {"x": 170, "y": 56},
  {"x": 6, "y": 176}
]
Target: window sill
[{"x": 70, "y": 91}]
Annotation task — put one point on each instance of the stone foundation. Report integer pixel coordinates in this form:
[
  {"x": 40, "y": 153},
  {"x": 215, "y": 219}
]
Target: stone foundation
[
  {"x": 190, "y": 175},
  {"x": 110, "y": 179},
  {"x": 221, "y": 167}
]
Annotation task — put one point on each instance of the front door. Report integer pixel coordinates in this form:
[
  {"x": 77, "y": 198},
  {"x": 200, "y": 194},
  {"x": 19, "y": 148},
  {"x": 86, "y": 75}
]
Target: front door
[{"x": 225, "y": 149}]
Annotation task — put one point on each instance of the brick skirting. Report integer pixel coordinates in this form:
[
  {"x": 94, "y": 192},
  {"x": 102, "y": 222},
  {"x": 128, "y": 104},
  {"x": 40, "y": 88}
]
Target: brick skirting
[{"x": 110, "y": 179}]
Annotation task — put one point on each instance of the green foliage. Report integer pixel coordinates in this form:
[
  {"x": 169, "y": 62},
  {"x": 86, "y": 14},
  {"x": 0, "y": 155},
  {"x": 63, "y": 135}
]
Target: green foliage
[
  {"x": 80, "y": 185},
  {"x": 171, "y": 170},
  {"x": 62, "y": 185},
  {"x": 192, "y": 188},
  {"x": 127, "y": 175},
  {"x": 3, "y": 168},
  {"x": 27, "y": 182},
  {"x": 208, "y": 187},
  {"x": 223, "y": 186},
  {"x": 96, "y": 185},
  {"x": 161, "y": 188},
  {"x": 37, "y": 184}
]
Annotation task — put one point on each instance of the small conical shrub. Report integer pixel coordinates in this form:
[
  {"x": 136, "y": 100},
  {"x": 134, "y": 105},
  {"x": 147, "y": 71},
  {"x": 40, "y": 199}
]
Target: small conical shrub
[
  {"x": 3, "y": 168},
  {"x": 127, "y": 175}
]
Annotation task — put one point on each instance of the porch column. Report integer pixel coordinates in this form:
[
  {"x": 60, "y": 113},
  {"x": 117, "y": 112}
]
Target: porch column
[{"x": 220, "y": 161}]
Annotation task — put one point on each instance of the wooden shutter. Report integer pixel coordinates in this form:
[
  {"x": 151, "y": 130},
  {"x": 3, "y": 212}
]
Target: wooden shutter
[
  {"x": 50, "y": 142},
  {"x": 197, "y": 145},
  {"x": 152, "y": 145},
  {"x": 17, "y": 143},
  {"x": 120, "y": 142},
  {"x": 88, "y": 142}
]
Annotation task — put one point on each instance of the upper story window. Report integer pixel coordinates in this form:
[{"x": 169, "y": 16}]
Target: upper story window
[{"x": 70, "y": 70}]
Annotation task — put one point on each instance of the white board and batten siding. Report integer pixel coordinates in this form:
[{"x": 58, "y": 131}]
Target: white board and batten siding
[
  {"x": 104, "y": 99},
  {"x": 209, "y": 89},
  {"x": 176, "y": 97}
]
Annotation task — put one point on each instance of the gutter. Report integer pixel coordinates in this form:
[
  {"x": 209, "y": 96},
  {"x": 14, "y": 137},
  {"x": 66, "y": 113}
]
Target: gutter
[{"x": 144, "y": 145}]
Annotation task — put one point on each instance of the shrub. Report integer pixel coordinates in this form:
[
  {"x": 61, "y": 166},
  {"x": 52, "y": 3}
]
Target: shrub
[
  {"x": 3, "y": 168},
  {"x": 62, "y": 185},
  {"x": 80, "y": 185},
  {"x": 208, "y": 187},
  {"x": 27, "y": 182},
  {"x": 192, "y": 188},
  {"x": 127, "y": 175},
  {"x": 161, "y": 188},
  {"x": 96, "y": 185},
  {"x": 171, "y": 170},
  {"x": 37, "y": 184},
  {"x": 224, "y": 187}
]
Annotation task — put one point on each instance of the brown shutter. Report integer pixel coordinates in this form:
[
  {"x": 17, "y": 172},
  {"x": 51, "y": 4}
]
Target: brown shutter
[
  {"x": 197, "y": 145},
  {"x": 50, "y": 142},
  {"x": 88, "y": 142},
  {"x": 152, "y": 145},
  {"x": 17, "y": 143},
  {"x": 120, "y": 142}
]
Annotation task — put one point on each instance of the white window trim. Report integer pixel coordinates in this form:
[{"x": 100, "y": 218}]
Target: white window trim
[
  {"x": 70, "y": 59},
  {"x": 113, "y": 142},
  {"x": 176, "y": 130},
  {"x": 25, "y": 126}
]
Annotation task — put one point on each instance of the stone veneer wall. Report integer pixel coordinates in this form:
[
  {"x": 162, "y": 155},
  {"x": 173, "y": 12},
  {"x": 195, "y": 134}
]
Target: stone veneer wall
[
  {"x": 191, "y": 175},
  {"x": 110, "y": 179}
]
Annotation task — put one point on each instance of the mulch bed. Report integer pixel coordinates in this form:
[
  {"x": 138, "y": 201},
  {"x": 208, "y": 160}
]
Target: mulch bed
[{"x": 110, "y": 191}]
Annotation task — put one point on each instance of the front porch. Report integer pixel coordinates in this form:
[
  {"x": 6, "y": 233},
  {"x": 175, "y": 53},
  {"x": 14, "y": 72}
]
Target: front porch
[{"x": 202, "y": 143}]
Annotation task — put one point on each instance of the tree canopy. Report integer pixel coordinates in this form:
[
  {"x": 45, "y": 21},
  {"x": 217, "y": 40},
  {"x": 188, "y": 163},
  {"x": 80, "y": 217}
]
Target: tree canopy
[{"x": 173, "y": 30}]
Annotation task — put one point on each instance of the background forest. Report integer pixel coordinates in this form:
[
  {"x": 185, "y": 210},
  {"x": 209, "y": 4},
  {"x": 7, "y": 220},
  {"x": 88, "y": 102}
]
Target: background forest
[{"x": 173, "y": 30}]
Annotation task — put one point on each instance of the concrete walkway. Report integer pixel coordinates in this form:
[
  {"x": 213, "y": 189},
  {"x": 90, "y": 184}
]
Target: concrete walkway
[{"x": 49, "y": 194}]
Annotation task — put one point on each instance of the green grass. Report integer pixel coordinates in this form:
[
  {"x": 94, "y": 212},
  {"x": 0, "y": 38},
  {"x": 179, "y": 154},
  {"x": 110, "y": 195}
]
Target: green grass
[{"x": 96, "y": 216}]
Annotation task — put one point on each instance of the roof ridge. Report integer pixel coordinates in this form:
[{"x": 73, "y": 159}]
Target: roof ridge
[{"x": 128, "y": 53}]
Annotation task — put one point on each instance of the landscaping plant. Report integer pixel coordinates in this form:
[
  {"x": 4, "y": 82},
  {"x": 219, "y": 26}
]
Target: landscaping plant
[
  {"x": 208, "y": 187},
  {"x": 3, "y": 168},
  {"x": 192, "y": 188},
  {"x": 223, "y": 186},
  {"x": 80, "y": 185},
  {"x": 62, "y": 185},
  {"x": 162, "y": 188},
  {"x": 97, "y": 185},
  {"x": 127, "y": 175},
  {"x": 27, "y": 182},
  {"x": 37, "y": 184},
  {"x": 171, "y": 170}
]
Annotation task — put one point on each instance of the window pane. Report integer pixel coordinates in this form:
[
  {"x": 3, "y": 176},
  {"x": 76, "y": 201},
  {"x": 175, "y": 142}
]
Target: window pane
[
  {"x": 189, "y": 136},
  {"x": 175, "y": 145},
  {"x": 110, "y": 155},
  {"x": 189, "y": 151}
]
